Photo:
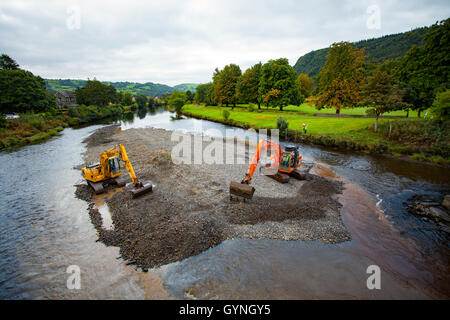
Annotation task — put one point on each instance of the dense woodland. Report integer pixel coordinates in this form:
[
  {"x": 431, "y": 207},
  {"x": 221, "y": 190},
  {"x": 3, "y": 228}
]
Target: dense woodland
[{"x": 378, "y": 50}]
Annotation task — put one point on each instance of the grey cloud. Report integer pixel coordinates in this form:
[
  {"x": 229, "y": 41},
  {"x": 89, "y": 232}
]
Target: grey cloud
[{"x": 183, "y": 41}]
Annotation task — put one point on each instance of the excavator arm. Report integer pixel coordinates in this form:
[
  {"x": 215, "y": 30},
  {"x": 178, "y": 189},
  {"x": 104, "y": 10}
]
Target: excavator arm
[
  {"x": 263, "y": 145},
  {"x": 124, "y": 156}
]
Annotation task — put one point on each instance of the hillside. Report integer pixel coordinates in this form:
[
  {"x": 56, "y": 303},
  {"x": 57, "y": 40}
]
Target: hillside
[
  {"x": 186, "y": 87},
  {"x": 378, "y": 50},
  {"x": 148, "y": 88}
]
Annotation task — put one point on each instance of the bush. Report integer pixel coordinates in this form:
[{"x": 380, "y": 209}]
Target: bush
[
  {"x": 73, "y": 112},
  {"x": 226, "y": 114},
  {"x": 32, "y": 120},
  {"x": 282, "y": 125},
  {"x": 251, "y": 107},
  {"x": 421, "y": 136},
  {"x": 3, "y": 121},
  {"x": 441, "y": 106},
  {"x": 10, "y": 141},
  {"x": 73, "y": 122},
  {"x": 371, "y": 112}
]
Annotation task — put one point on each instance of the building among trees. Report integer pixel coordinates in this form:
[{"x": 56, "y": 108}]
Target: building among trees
[{"x": 65, "y": 98}]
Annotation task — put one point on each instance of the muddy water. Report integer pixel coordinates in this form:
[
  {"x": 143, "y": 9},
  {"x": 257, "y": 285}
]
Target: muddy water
[{"x": 44, "y": 229}]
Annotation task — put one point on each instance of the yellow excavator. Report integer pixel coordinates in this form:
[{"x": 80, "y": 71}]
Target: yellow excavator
[{"x": 109, "y": 171}]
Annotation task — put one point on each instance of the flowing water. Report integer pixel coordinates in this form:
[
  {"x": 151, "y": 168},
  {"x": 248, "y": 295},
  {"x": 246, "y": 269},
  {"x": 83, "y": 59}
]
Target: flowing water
[{"x": 44, "y": 229}]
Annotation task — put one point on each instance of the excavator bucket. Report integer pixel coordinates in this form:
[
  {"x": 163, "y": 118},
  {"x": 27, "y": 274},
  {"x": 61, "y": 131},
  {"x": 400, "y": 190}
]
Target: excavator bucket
[
  {"x": 241, "y": 190},
  {"x": 141, "y": 190}
]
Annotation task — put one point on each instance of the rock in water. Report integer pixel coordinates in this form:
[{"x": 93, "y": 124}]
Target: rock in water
[{"x": 439, "y": 214}]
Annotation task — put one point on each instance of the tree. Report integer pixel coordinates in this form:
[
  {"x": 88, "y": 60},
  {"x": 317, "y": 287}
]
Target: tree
[
  {"x": 177, "y": 100},
  {"x": 7, "y": 63},
  {"x": 441, "y": 106},
  {"x": 225, "y": 84},
  {"x": 151, "y": 102},
  {"x": 112, "y": 93},
  {"x": 340, "y": 78},
  {"x": 141, "y": 101},
  {"x": 21, "y": 91},
  {"x": 248, "y": 85},
  {"x": 425, "y": 70},
  {"x": 306, "y": 84},
  {"x": 271, "y": 97},
  {"x": 189, "y": 95},
  {"x": 380, "y": 94},
  {"x": 204, "y": 93},
  {"x": 96, "y": 93},
  {"x": 278, "y": 84},
  {"x": 127, "y": 99},
  {"x": 201, "y": 93}
]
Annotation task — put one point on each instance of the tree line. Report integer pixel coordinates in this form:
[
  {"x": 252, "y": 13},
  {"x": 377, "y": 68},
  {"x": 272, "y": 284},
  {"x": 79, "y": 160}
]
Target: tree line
[
  {"x": 273, "y": 84},
  {"x": 418, "y": 80}
]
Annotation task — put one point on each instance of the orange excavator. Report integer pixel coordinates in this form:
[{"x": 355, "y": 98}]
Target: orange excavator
[{"x": 281, "y": 165}]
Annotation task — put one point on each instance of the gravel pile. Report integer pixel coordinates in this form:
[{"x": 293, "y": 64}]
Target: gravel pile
[{"x": 190, "y": 211}]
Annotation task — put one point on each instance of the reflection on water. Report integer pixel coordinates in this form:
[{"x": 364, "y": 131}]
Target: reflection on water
[{"x": 44, "y": 229}]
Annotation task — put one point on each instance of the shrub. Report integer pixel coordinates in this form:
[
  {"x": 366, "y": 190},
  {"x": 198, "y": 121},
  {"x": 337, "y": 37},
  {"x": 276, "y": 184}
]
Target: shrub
[
  {"x": 441, "y": 106},
  {"x": 32, "y": 120},
  {"x": 371, "y": 112},
  {"x": 10, "y": 141},
  {"x": 226, "y": 114},
  {"x": 73, "y": 122},
  {"x": 3, "y": 121},
  {"x": 73, "y": 112},
  {"x": 282, "y": 125},
  {"x": 251, "y": 107}
]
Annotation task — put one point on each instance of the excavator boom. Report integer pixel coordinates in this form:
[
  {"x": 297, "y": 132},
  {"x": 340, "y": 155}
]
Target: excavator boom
[{"x": 139, "y": 187}]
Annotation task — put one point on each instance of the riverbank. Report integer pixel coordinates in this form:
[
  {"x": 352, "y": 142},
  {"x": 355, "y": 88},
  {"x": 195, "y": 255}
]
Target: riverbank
[
  {"x": 37, "y": 128},
  {"x": 29, "y": 129},
  {"x": 416, "y": 139},
  {"x": 190, "y": 211}
]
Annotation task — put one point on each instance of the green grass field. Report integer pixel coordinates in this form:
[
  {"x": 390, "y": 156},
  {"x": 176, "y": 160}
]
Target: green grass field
[
  {"x": 341, "y": 132},
  {"x": 308, "y": 109},
  {"x": 268, "y": 119}
]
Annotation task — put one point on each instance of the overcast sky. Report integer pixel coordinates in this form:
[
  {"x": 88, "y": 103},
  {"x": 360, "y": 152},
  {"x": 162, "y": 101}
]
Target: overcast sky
[{"x": 175, "y": 42}]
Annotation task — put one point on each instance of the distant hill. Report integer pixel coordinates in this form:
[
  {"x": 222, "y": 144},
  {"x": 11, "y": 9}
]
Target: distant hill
[
  {"x": 135, "y": 88},
  {"x": 378, "y": 50},
  {"x": 186, "y": 87}
]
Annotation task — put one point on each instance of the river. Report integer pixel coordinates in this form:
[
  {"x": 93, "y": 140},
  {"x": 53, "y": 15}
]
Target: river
[{"x": 44, "y": 229}]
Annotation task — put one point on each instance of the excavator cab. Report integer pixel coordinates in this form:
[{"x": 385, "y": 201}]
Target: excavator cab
[
  {"x": 289, "y": 159},
  {"x": 114, "y": 166}
]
